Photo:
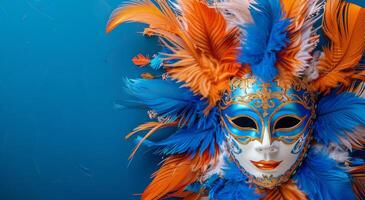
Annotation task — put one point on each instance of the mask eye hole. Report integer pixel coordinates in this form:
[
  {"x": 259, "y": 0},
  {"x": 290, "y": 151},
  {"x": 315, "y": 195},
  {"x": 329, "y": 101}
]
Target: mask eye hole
[
  {"x": 287, "y": 122},
  {"x": 244, "y": 122}
]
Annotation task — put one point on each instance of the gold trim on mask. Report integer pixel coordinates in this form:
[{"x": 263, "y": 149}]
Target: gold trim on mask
[
  {"x": 230, "y": 120},
  {"x": 309, "y": 122},
  {"x": 289, "y": 128},
  {"x": 238, "y": 138},
  {"x": 265, "y": 95},
  {"x": 262, "y": 121}
]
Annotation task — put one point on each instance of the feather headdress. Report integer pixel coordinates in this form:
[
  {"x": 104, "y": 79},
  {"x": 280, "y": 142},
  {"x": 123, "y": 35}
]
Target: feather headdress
[{"x": 208, "y": 43}]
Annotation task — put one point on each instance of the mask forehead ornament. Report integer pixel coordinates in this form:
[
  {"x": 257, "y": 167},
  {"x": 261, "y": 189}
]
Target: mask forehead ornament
[{"x": 269, "y": 127}]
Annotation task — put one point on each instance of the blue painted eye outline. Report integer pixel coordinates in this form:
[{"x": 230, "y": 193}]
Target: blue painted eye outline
[
  {"x": 252, "y": 134},
  {"x": 300, "y": 128}
]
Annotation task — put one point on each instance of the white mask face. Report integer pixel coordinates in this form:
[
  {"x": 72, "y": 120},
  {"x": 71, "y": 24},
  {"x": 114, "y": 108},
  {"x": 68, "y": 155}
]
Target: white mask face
[{"x": 269, "y": 129}]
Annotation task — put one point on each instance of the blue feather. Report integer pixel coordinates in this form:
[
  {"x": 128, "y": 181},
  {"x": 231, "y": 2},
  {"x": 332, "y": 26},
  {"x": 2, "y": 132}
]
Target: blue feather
[
  {"x": 357, "y": 158},
  {"x": 205, "y": 135},
  {"x": 192, "y": 141},
  {"x": 264, "y": 38},
  {"x": 321, "y": 178},
  {"x": 198, "y": 133},
  {"x": 362, "y": 61},
  {"x": 168, "y": 99},
  {"x": 338, "y": 114},
  {"x": 233, "y": 185},
  {"x": 188, "y": 140},
  {"x": 194, "y": 187},
  {"x": 157, "y": 62}
]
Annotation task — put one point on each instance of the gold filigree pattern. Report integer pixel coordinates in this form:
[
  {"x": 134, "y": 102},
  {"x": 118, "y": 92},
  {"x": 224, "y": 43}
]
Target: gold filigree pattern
[{"x": 263, "y": 97}]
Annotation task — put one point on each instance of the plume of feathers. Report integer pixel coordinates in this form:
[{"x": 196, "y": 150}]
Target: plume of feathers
[
  {"x": 203, "y": 47},
  {"x": 296, "y": 58},
  {"x": 321, "y": 178},
  {"x": 339, "y": 115},
  {"x": 231, "y": 185},
  {"x": 180, "y": 107},
  {"x": 193, "y": 141},
  {"x": 175, "y": 175},
  {"x": 344, "y": 26},
  {"x": 173, "y": 101},
  {"x": 264, "y": 38}
]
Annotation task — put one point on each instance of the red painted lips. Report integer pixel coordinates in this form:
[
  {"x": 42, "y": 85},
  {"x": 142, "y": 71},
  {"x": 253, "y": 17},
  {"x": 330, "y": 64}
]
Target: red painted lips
[{"x": 266, "y": 164}]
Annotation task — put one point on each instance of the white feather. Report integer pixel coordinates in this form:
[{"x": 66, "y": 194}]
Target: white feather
[
  {"x": 217, "y": 165},
  {"x": 335, "y": 152},
  {"x": 235, "y": 11},
  {"x": 308, "y": 39},
  {"x": 338, "y": 153},
  {"x": 311, "y": 73}
]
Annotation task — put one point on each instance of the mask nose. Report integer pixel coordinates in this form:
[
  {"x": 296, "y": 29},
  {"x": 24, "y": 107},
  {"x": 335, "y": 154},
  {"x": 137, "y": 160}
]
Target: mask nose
[{"x": 266, "y": 147}]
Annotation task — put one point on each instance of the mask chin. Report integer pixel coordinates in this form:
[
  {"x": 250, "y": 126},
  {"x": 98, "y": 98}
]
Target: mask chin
[{"x": 269, "y": 129}]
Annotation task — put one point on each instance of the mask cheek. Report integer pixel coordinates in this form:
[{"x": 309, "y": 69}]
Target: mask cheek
[
  {"x": 290, "y": 153},
  {"x": 248, "y": 153},
  {"x": 288, "y": 158},
  {"x": 287, "y": 154}
]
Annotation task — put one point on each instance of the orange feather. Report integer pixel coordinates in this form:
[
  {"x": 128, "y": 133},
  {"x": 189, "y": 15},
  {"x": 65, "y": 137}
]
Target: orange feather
[
  {"x": 176, "y": 173},
  {"x": 287, "y": 191},
  {"x": 295, "y": 57},
  {"x": 207, "y": 59},
  {"x": 140, "y": 60},
  {"x": 358, "y": 181},
  {"x": 152, "y": 127},
  {"x": 143, "y": 11},
  {"x": 147, "y": 76},
  {"x": 199, "y": 39},
  {"x": 344, "y": 25}
]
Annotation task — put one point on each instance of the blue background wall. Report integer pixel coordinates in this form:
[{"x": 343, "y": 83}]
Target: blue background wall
[{"x": 61, "y": 131}]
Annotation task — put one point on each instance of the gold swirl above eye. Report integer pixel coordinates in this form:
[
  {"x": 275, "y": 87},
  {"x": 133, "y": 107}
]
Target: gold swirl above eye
[{"x": 264, "y": 95}]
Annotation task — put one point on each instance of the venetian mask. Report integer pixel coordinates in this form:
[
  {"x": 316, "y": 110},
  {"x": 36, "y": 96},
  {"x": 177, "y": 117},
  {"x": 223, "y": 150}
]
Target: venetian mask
[{"x": 269, "y": 128}]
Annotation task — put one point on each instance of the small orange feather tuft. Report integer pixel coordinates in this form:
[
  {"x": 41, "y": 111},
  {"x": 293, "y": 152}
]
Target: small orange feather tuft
[
  {"x": 175, "y": 174},
  {"x": 141, "y": 61},
  {"x": 147, "y": 76},
  {"x": 344, "y": 25}
]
